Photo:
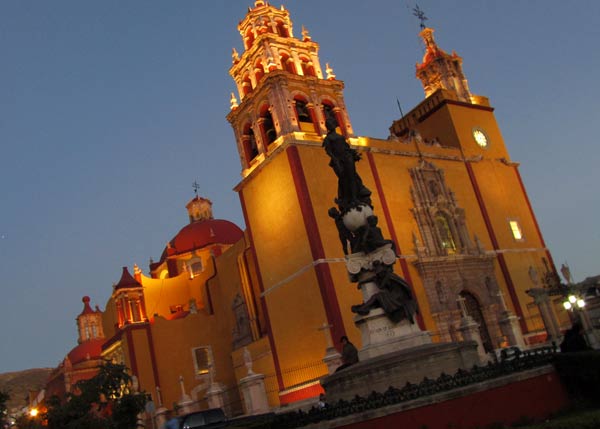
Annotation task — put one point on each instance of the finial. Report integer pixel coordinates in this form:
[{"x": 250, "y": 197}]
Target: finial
[
  {"x": 420, "y": 16},
  {"x": 136, "y": 269},
  {"x": 258, "y": 3},
  {"x": 305, "y": 36},
  {"x": 196, "y": 186},
  {"x": 329, "y": 71},
  {"x": 235, "y": 57},
  {"x": 233, "y": 101}
]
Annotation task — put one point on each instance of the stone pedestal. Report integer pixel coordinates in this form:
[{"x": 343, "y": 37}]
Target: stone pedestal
[
  {"x": 380, "y": 335},
  {"x": 185, "y": 403},
  {"x": 252, "y": 388},
  {"x": 215, "y": 396},
  {"x": 398, "y": 368},
  {"x": 509, "y": 326},
  {"x": 470, "y": 332}
]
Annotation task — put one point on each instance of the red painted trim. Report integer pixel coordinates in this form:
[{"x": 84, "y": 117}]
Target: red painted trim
[
  {"x": 304, "y": 393},
  {"x": 262, "y": 298},
  {"x": 325, "y": 280},
  {"x": 388, "y": 220},
  {"x": 252, "y": 293},
  {"x": 535, "y": 222},
  {"x": 131, "y": 349},
  {"x": 152, "y": 355},
  {"x": 500, "y": 256}
]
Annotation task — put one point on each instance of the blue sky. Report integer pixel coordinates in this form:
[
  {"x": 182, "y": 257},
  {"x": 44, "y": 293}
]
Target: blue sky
[{"x": 109, "y": 110}]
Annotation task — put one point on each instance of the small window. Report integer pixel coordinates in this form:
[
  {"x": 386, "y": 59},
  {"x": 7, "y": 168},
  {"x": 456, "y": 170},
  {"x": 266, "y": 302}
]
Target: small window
[
  {"x": 202, "y": 360},
  {"x": 516, "y": 230},
  {"x": 194, "y": 267}
]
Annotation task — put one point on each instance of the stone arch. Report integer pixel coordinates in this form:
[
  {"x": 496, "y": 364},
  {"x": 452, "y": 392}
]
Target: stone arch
[
  {"x": 287, "y": 62},
  {"x": 267, "y": 125},
  {"x": 475, "y": 310}
]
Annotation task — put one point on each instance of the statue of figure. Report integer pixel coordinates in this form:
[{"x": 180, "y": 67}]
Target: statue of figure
[
  {"x": 344, "y": 233},
  {"x": 369, "y": 237},
  {"x": 248, "y": 361},
  {"x": 351, "y": 191},
  {"x": 394, "y": 296}
]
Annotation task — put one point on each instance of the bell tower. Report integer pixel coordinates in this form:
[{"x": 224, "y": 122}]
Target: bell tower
[
  {"x": 281, "y": 86},
  {"x": 440, "y": 70}
]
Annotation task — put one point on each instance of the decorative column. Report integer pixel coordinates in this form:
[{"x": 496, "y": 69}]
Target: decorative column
[
  {"x": 333, "y": 359},
  {"x": 509, "y": 325},
  {"x": 252, "y": 388},
  {"x": 542, "y": 300},
  {"x": 470, "y": 330}
]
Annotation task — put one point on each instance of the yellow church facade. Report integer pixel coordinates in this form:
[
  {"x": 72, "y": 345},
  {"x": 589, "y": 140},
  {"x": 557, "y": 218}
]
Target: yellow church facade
[{"x": 444, "y": 189}]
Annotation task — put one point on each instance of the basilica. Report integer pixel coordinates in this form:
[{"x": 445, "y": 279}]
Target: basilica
[{"x": 274, "y": 299}]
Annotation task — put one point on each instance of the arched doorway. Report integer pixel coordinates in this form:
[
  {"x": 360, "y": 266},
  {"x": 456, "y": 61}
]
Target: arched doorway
[{"x": 474, "y": 310}]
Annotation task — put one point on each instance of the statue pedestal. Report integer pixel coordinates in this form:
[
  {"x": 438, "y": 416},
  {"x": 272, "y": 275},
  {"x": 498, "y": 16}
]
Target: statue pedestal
[
  {"x": 509, "y": 326},
  {"x": 215, "y": 396},
  {"x": 380, "y": 335},
  {"x": 399, "y": 367},
  {"x": 252, "y": 388},
  {"x": 470, "y": 332}
]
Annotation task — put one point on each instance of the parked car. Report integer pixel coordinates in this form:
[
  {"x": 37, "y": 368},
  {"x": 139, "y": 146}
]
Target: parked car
[{"x": 213, "y": 418}]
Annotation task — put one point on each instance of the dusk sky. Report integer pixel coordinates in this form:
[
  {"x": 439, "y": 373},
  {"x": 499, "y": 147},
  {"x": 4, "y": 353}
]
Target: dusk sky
[{"x": 110, "y": 110}]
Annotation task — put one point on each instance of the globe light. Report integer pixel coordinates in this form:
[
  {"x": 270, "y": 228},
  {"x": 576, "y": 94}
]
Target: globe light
[
  {"x": 567, "y": 305},
  {"x": 580, "y": 303},
  {"x": 33, "y": 412},
  {"x": 572, "y": 299}
]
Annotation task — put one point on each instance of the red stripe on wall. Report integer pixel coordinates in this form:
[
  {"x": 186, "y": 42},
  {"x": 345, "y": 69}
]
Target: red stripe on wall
[
  {"x": 152, "y": 354},
  {"x": 501, "y": 260},
  {"x": 325, "y": 280},
  {"x": 535, "y": 222},
  {"x": 131, "y": 349},
  {"x": 388, "y": 219},
  {"x": 263, "y": 303}
]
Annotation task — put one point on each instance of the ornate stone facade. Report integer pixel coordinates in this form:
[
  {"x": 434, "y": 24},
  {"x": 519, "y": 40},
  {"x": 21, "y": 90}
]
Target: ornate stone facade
[{"x": 450, "y": 263}]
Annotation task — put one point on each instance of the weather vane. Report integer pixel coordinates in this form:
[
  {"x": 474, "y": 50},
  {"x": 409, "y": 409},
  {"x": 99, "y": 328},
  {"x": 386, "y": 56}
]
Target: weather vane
[
  {"x": 196, "y": 186},
  {"x": 420, "y": 16}
]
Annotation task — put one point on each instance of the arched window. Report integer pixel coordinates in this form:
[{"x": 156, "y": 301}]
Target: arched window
[
  {"x": 268, "y": 126},
  {"x": 281, "y": 29},
  {"x": 307, "y": 67},
  {"x": 305, "y": 120},
  {"x": 445, "y": 233},
  {"x": 249, "y": 142},
  {"x": 287, "y": 63},
  {"x": 246, "y": 84},
  {"x": 329, "y": 114},
  {"x": 259, "y": 71}
]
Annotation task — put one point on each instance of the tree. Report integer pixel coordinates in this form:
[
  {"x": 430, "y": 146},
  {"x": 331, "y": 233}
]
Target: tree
[
  {"x": 4, "y": 397},
  {"x": 109, "y": 400}
]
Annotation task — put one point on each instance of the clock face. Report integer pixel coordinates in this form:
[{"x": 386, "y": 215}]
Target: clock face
[{"x": 480, "y": 137}]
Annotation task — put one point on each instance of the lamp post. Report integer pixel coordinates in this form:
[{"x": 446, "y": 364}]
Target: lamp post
[{"x": 573, "y": 302}]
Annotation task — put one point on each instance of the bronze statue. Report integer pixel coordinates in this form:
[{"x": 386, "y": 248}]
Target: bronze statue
[
  {"x": 394, "y": 296},
  {"x": 351, "y": 191}
]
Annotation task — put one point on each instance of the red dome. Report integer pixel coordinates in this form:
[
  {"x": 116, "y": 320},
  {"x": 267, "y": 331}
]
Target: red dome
[
  {"x": 91, "y": 348},
  {"x": 201, "y": 234}
]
